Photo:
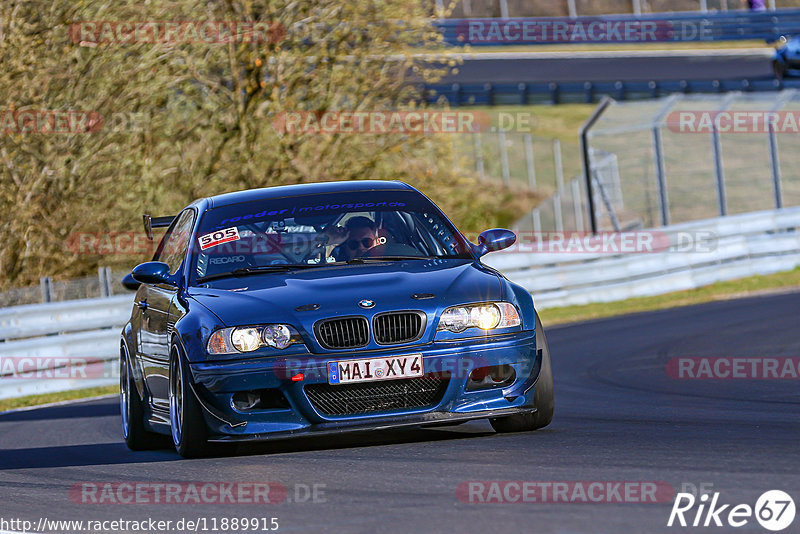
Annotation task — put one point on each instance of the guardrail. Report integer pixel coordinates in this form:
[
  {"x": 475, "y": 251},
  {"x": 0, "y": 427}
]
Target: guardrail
[
  {"x": 665, "y": 27},
  {"x": 724, "y": 248},
  {"x": 524, "y": 93},
  {"x": 60, "y": 346},
  {"x": 68, "y": 316}
]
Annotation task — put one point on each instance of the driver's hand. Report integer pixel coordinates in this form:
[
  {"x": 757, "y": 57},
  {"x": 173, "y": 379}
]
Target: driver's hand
[{"x": 335, "y": 234}]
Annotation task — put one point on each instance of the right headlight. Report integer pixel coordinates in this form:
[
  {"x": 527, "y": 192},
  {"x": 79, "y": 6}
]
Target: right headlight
[
  {"x": 486, "y": 316},
  {"x": 249, "y": 338}
]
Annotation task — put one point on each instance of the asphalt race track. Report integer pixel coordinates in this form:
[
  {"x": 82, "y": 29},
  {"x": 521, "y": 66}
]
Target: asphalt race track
[
  {"x": 619, "y": 417},
  {"x": 611, "y": 66}
]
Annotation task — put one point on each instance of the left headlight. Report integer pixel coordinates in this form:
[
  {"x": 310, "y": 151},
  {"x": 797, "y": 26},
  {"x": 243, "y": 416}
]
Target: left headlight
[
  {"x": 486, "y": 316},
  {"x": 249, "y": 338}
]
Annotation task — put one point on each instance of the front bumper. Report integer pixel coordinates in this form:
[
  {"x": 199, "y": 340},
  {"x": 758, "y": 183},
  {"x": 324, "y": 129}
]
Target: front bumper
[{"x": 215, "y": 384}]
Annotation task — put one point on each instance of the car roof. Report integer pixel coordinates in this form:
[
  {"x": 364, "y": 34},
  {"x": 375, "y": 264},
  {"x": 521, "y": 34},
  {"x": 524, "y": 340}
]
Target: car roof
[{"x": 282, "y": 191}]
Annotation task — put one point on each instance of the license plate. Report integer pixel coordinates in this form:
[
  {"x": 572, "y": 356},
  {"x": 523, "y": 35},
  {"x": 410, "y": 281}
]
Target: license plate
[{"x": 370, "y": 370}]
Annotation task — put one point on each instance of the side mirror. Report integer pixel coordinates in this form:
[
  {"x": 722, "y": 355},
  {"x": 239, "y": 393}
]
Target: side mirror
[
  {"x": 494, "y": 240},
  {"x": 129, "y": 283},
  {"x": 152, "y": 272}
]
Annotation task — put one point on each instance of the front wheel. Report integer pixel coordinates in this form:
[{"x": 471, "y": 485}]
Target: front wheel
[
  {"x": 188, "y": 427},
  {"x": 543, "y": 398}
]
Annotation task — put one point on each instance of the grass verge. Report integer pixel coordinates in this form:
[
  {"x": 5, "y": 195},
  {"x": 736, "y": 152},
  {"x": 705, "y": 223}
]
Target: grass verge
[
  {"x": 47, "y": 398},
  {"x": 742, "y": 287}
]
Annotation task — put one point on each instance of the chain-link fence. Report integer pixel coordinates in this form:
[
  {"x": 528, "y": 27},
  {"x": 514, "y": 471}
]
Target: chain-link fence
[
  {"x": 519, "y": 158},
  {"x": 690, "y": 157},
  {"x": 549, "y": 166}
]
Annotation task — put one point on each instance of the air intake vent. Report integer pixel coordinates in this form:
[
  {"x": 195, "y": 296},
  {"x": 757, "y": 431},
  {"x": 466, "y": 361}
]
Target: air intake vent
[
  {"x": 355, "y": 399},
  {"x": 343, "y": 333},
  {"x": 398, "y": 327}
]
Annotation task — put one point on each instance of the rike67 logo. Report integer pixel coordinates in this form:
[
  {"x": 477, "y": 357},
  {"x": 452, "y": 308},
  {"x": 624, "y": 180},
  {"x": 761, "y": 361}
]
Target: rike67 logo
[{"x": 774, "y": 510}]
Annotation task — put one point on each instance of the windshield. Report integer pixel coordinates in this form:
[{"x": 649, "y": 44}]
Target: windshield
[{"x": 324, "y": 229}]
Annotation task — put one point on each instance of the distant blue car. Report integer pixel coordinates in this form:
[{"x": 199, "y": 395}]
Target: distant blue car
[
  {"x": 310, "y": 310},
  {"x": 786, "y": 60}
]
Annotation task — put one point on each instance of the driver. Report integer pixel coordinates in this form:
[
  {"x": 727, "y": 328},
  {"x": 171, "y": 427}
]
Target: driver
[{"x": 358, "y": 236}]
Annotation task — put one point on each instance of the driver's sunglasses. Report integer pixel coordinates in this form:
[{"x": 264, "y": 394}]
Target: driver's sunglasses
[{"x": 352, "y": 244}]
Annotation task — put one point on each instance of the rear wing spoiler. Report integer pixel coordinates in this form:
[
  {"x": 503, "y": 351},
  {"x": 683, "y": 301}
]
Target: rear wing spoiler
[{"x": 155, "y": 222}]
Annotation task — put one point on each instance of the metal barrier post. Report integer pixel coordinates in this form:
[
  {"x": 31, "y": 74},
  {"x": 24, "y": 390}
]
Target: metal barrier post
[
  {"x": 557, "y": 211},
  {"x": 719, "y": 175},
  {"x": 104, "y": 275},
  {"x": 479, "y": 156},
  {"x": 576, "y": 204},
  {"x": 775, "y": 165},
  {"x": 501, "y": 139},
  {"x": 46, "y": 285},
  {"x": 558, "y": 165},
  {"x": 529, "y": 160},
  {"x": 658, "y": 158},
  {"x": 587, "y": 162},
  {"x": 573, "y": 11},
  {"x": 661, "y": 181},
  {"x": 774, "y": 152},
  {"x": 504, "y": 9},
  {"x": 716, "y": 147}
]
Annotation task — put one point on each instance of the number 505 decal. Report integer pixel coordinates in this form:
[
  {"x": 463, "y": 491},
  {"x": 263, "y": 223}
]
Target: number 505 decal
[{"x": 219, "y": 237}]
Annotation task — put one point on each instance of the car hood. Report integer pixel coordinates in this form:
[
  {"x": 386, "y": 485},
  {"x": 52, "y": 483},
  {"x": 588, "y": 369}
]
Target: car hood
[{"x": 429, "y": 286}]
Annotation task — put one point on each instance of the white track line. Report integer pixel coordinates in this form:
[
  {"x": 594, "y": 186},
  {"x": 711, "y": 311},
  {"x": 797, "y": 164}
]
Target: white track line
[{"x": 50, "y": 405}]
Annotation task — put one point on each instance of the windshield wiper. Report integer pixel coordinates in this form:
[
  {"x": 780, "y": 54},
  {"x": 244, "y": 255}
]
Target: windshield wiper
[
  {"x": 386, "y": 258},
  {"x": 255, "y": 270}
]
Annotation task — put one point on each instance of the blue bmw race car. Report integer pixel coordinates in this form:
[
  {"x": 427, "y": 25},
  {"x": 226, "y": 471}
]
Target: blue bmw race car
[
  {"x": 786, "y": 60},
  {"x": 310, "y": 310}
]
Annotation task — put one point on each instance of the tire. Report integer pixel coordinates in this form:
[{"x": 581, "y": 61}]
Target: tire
[
  {"x": 187, "y": 424},
  {"x": 543, "y": 397},
  {"x": 131, "y": 408}
]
